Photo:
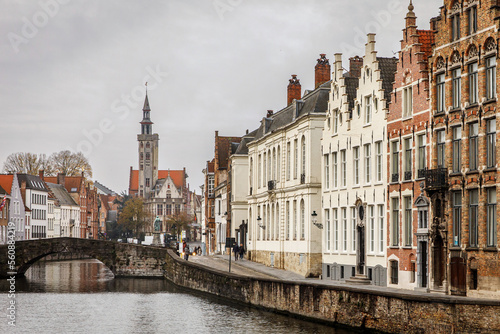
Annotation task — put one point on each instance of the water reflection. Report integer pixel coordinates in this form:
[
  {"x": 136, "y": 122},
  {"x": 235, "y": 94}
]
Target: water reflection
[{"x": 129, "y": 306}]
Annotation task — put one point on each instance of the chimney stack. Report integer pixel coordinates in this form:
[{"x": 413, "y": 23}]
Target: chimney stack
[
  {"x": 294, "y": 89},
  {"x": 355, "y": 65},
  {"x": 40, "y": 174},
  {"x": 61, "y": 179},
  {"x": 322, "y": 71},
  {"x": 269, "y": 113}
]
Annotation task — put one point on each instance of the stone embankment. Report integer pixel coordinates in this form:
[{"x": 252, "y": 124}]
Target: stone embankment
[{"x": 383, "y": 310}]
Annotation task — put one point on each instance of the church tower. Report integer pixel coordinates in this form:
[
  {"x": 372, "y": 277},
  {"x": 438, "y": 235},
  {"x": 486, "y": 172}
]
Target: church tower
[{"x": 148, "y": 153}]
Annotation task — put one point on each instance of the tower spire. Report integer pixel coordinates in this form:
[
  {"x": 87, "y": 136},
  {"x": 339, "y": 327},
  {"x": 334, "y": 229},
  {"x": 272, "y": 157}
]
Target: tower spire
[{"x": 146, "y": 124}]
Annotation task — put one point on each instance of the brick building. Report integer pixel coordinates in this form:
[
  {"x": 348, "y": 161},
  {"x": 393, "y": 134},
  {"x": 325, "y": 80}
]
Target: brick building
[
  {"x": 408, "y": 131},
  {"x": 208, "y": 224},
  {"x": 462, "y": 185}
]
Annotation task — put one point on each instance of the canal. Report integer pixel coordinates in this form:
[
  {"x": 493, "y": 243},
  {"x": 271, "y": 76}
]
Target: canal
[{"x": 81, "y": 296}]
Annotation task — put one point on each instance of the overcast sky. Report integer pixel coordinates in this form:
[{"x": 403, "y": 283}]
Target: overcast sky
[{"x": 72, "y": 72}]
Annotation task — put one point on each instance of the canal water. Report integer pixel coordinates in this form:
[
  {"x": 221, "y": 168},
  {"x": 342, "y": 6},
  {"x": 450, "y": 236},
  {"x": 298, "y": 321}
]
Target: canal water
[{"x": 81, "y": 296}]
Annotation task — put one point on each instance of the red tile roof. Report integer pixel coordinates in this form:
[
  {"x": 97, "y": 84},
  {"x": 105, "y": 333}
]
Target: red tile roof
[
  {"x": 426, "y": 38},
  {"x": 6, "y": 182},
  {"x": 70, "y": 182},
  {"x": 177, "y": 176}
]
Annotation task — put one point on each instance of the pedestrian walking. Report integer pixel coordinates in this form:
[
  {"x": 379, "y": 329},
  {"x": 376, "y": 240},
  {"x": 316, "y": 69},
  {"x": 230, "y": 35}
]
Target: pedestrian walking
[
  {"x": 185, "y": 249},
  {"x": 241, "y": 251},
  {"x": 236, "y": 250}
]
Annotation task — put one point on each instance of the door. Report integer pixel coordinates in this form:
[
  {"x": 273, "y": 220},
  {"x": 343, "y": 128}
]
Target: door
[{"x": 458, "y": 272}]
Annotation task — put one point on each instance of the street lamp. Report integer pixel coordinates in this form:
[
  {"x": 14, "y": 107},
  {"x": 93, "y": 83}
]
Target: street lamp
[
  {"x": 259, "y": 222},
  {"x": 315, "y": 220}
]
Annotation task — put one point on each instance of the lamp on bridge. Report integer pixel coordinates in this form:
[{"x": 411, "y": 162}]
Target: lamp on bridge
[{"x": 259, "y": 222}]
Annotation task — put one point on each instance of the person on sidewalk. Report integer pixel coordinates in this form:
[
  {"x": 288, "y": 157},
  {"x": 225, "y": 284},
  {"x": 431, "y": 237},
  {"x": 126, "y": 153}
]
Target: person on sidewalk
[
  {"x": 185, "y": 249},
  {"x": 241, "y": 251},
  {"x": 236, "y": 250}
]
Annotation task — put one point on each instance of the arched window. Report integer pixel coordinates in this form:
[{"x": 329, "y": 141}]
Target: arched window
[
  {"x": 274, "y": 165},
  {"x": 251, "y": 175},
  {"x": 277, "y": 223},
  {"x": 302, "y": 220},
  {"x": 250, "y": 224},
  {"x": 148, "y": 145},
  {"x": 303, "y": 170},
  {"x": 148, "y": 156},
  {"x": 278, "y": 166}
]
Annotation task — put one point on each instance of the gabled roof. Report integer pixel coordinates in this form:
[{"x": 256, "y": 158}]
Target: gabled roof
[
  {"x": 351, "y": 85},
  {"x": 6, "y": 182},
  {"x": 71, "y": 183},
  {"x": 387, "y": 67},
  {"x": 314, "y": 102},
  {"x": 211, "y": 166},
  {"x": 178, "y": 176},
  {"x": 426, "y": 39},
  {"x": 3, "y": 191},
  {"x": 32, "y": 182},
  {"x": 103, "y": 188},
  {"x": 61, "y": 194},
  {"x": 223, "y": 145}
]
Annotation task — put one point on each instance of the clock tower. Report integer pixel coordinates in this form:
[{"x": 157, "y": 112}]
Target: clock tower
[{"x": 148, "y": 153}]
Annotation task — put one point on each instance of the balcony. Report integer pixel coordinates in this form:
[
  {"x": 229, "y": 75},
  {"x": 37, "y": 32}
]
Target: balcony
[
  {"x": 271, "y": 185},
  {"x": 302, "y": 178},
  {"x": 408, "y": 176},
  {"x": 395, "y": 177},
  {"x": 436, "y": 179},
  {"x": 421, "y": 173}
]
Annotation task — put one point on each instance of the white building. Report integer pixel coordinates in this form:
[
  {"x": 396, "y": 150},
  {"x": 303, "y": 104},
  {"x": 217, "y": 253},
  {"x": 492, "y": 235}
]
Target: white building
[
  {"x": 66, "y": 212},
  {"x": 285, "y": 183},
  {"x": 17, "y": 214},
  {"x": 354, "y": 147},
  {"x": 36, "y": 199}
]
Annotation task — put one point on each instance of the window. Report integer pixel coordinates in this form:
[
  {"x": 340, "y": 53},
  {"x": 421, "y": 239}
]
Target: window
[
  {"x": 455, "y": 27},
  {"x": 287, "y": 220},
  {"x": 260, "y": 171},
  {"x": 457, "y": 216},
  {"x": 264, "y": 169},
  {"x": 440, "y": 92},
  {"x": 353, "y": 226},
  {"x": 344, "y": 229},
  {"x": 472, "y": 20},
  {"x": 159, "y": 209},
  {"x": 491, "y": 78},
  {"x": 491, "y": 221},
  {"x": 335, "y": 230},
  {"x": 295, "y": 220},
  {"x": 408, "y": 158},
  {"x": 148, "y": 157},
  {"x": 343, "y": 168},
  {"x": 274, "y": 166},
  {"x": 355, "y": 156},
  {"x": 278, "y": 166},
  {"x": 473, "y": 217},
  {"x": 288, "y": 160},
  {"x": 394, "y": 272},
  {"x": 421, "y": 141},
  {"x": 408, "y": 228},
  {"x": 423, "y": 217},
  {"x": 335, "y": 169},
  {"x": 367, "y": 163},
  {"x": 407, "y": 101},
  {"x": 303, "y": 170},
  {"x": 368, "y": 110},
  {"x": 441, "y": 149},
  {"x": 210, "y": 185},
  {"x": 473, "y": 83},
  {"x": 395, "y": 222},
  {"x": 456, "y": 85},
  {"x": 168, "y": 210},
  {"x": 395, "y": 161},
  {"x": 371, "y": 219},
  {"x": 378, "y": 148},
  {"x": 457, "y": 149},
  {"x": 490, "y": 142},
  {"x": 335, "y": 121},
  {"x": 302, "y": 220},
  {"x": 147, "y": 182},
  {"x": 327, "y": 171},
  {"x": 328, "y": 230},
  {"x": 473, "y": 146},
  {"x": 296, "y": 158}
]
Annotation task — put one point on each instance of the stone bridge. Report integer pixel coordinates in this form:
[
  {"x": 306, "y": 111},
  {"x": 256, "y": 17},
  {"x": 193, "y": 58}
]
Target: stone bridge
[{"x": 124, "y": 260}]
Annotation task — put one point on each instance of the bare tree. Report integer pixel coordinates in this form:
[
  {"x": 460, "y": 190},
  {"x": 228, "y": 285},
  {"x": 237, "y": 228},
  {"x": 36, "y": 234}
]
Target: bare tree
[
  {"x": 72, "y": 164},
  {"x": 134, "y": 216},
  {"x": 26, "y": 162}
]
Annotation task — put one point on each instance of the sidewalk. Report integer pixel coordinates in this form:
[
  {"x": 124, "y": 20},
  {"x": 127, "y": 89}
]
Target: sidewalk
[{"x": 253, "y": 269}]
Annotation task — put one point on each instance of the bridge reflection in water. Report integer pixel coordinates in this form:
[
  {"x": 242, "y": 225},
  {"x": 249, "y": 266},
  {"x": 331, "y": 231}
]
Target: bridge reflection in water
[{"x": 129, "y": 305}]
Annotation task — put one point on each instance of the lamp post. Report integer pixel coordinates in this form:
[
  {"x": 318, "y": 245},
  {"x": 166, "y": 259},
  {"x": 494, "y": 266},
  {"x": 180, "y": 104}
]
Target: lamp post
[
  {"x": 314, "y": 216},
  {"x": 259, "y": 222}
]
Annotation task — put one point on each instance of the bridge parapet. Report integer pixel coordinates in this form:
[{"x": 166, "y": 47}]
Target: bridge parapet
[{"x": 124, "y": 260}]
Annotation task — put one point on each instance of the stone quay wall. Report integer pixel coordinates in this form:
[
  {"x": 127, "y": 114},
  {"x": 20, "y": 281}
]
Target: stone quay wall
[{"x": 382, "y": 311}]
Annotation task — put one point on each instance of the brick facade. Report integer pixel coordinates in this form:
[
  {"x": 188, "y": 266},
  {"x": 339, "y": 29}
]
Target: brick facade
[{"x": 465, "y": 122}]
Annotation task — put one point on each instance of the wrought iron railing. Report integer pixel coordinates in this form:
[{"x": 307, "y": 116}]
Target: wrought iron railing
[
  {"x": 436, "y": 178},
  {"x": 421, "y": 173},
  {"x": 395, "y": 177},
  {"x": 407, "y": 176}
]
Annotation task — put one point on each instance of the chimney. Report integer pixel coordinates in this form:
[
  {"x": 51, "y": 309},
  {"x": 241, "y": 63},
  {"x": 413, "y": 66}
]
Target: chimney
[
  {"x": 40, "y": 174},
  {"x": 355, "y": 65},
  {"x": 61, "y": 179},
  {"x": 321, "y": 71},
  {"x": 294, "y": 89},
  {"x": 269, "y": 113}
]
